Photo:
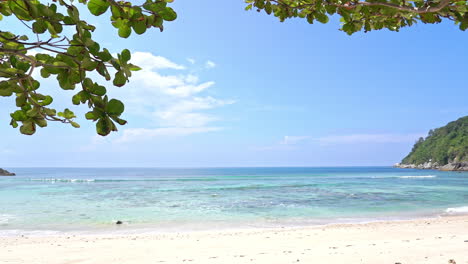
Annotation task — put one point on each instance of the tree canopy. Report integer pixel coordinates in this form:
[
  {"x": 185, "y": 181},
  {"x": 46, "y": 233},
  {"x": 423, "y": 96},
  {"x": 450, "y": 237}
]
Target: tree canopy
[
  {"x": 71, "y": 59},
  {"x": 368, "y": 15}
]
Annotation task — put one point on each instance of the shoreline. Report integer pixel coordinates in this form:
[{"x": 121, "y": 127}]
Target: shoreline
[
  {"x": 454, "y": 166},
  {"x": 127, "y": 228},
  {"x": 431, "y": 240}
]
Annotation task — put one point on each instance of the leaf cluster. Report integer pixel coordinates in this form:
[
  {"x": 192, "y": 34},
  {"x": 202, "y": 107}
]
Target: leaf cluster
[
  {"x": 69, "y": 58},
  {"x": 367, "y": 15}
]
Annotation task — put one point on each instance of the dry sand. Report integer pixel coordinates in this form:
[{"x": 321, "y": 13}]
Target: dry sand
[{"x": 408, "y": 242}]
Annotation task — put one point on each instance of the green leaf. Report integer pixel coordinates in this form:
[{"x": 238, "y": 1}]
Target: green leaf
[
  {"x": 104, "y": 126},
  {"x": 67, "y": 114},
  {"x": 139, "y": 27},
  {"x": 119, "y": 79},
  {"x": 76, "y": 99},
  {"x": 105, "y": 55},
  {"x": 47, "y": 101},
  {"x": 14, "y": 124},
  {"x": 133, "y": 67},
  {"x": 88, "y": 64},
  {"x": 98, "y": 7},
  {"x": 39, "y": 27},
  {"x": 115, "y": 107},
  {"x": 322, "y": 18},
  {"x": 28, "y": 128},
  {"x": 91, "y": 116},
  {"x": 124, "y": 31},
  {"x": 119, "y": 121},
  {"x": 32, "y": 112},
  {"x": 19, "y": 115},
  {"x": 75, "y": 125},
  {"x": 45, "y": 73},
  {"x": 168, "y": 14},
  {"x": 98, "y": 90},
  {"x": 102, "y": 70},
  {"x": 21, "y": 100},
  {"x": 5, "y": 89},
  {"x": 126, "y": 55},
  {"x": 41, "y": 122}
]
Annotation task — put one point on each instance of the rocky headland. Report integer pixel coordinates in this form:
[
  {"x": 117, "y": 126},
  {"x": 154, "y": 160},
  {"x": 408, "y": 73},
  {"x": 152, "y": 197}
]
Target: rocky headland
[
  {"x": 6, "y": 173},
  {"x": 445, "y": 148},
  {"x": 455, "y": 166}
]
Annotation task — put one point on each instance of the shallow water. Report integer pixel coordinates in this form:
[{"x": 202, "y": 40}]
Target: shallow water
[{"x": 72, "y": 199}]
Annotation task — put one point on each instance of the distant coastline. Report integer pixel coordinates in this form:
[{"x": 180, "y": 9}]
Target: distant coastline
[
  {"x": 454, "y": 166},
  {"x": 6, "y": 173}
]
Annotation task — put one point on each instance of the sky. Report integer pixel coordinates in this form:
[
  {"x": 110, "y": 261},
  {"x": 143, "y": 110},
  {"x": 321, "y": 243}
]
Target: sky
[{"x": 224, "y": 87}]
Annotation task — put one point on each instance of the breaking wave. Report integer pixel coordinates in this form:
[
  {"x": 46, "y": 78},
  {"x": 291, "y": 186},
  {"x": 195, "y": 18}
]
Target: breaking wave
[
  {"x": 417, "y": 177},
  {"x": 457, "y": 210},
  {"x": 64, "y": 180},
  {"x": 5, "y": 218}
]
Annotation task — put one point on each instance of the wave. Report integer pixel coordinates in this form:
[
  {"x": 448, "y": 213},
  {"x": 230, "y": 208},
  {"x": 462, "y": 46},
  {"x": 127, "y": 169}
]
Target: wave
[
  {"x": 5, "y": 218},
  {"x": 403, "y": 177},
  {"x": 457, "y": 210},
  {"x": 201, "y": 188},
  {"x": 417, "y": 177},
  {"x": 115, "y": 180},
  {"x": 64, "y": 180}
]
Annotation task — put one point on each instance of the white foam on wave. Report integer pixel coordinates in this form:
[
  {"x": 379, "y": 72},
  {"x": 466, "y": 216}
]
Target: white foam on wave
[
  {"x": 406, "y": 177},
  {"x": 457, "y": 210},
  {"x": 5, "y": 218},
  {"x": 417, "y": 177},
  {"x": 63, "y": 180}
]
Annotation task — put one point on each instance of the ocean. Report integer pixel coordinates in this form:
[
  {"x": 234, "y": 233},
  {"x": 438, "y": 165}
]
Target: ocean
[{"x": 57, "y": 200}]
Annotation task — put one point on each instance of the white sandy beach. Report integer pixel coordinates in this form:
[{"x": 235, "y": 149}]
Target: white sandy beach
[{"x": 417, "y": 241}]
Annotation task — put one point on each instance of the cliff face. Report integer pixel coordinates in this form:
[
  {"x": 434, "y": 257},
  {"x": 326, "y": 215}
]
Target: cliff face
[
  {"x": 445, "y": 148},
  {"x": 6, "y": 173}
]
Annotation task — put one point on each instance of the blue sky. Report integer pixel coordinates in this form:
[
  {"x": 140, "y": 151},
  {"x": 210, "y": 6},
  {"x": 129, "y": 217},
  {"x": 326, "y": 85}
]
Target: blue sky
[{"x": 226, "y": 87}]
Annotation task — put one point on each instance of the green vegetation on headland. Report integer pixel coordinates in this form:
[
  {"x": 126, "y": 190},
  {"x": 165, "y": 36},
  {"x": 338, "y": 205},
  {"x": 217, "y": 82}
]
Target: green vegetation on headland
[{"x": 444, "y": 148}]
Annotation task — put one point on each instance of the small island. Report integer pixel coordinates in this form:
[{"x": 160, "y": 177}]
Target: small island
[
  {"x": 445, "y": 148},
  {"x": 6, "y": 173}
]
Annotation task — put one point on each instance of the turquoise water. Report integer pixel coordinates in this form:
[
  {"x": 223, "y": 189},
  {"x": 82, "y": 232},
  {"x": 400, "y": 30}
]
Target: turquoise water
[{"x": 72, "y": 199}]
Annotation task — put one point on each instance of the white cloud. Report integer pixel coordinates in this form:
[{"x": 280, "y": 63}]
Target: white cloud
[
  {"x": 176, "y": 85},
  {"x": 149, "y": 62},
  {"x": 367, "y": 138},
  {"x": 172, "y": 105},
  {"x": 210, "y": 64},
  {"x": 191, "y": 60},
  {"x": 191, "y": 79},
  {"x": 183, "y": 113},
  {"x": 293, "y": 140}
]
